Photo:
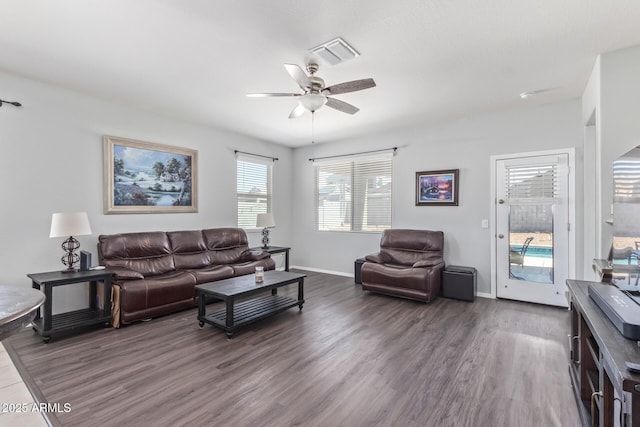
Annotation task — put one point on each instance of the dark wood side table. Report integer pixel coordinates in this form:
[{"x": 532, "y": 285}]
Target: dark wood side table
[
  {"x": 276, "y": 250},
  {"x": 98, "y": 312}
]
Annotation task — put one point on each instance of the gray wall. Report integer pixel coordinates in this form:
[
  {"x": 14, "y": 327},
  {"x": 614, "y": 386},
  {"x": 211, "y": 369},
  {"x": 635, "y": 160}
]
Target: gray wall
[
  {"x": 52, "y": 162},
  {"x": 463, "y": 144}
]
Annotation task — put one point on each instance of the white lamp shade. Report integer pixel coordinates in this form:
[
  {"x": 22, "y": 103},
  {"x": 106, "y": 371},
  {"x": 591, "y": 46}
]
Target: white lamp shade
[
  {"x": 265, "y": 220},
  {"x": 67, "y": 224},
  {"x": 313, "y": 101}
]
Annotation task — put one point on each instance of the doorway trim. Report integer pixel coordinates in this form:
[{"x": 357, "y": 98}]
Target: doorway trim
[{"x": 570, "y": 152}]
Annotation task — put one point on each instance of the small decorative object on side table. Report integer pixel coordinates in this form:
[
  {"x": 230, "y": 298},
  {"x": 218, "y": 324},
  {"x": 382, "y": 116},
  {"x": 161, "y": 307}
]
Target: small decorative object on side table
[
  {"x": 276, "y": 250},
  {"x": 99, "y": 311}
]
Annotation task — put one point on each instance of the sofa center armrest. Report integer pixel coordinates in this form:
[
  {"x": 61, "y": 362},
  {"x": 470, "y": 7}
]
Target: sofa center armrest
[
  {"x": 254, "y": 255},
  {"x": 123, "y": 273}
]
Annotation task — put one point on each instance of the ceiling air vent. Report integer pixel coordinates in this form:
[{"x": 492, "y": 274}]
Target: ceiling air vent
[{"x": 335, "y": 51}]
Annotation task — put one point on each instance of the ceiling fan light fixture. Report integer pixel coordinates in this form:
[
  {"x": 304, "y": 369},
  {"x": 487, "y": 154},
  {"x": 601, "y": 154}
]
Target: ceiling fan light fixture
[{"x": 313, "y": 101}]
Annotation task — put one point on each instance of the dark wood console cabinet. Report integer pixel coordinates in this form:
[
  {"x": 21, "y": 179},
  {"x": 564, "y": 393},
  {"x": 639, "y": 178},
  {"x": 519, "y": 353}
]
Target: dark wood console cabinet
[{"x": 607, "y": 393}]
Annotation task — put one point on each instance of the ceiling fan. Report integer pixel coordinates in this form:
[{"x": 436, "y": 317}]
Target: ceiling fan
[{"x": 315, "y": 94}]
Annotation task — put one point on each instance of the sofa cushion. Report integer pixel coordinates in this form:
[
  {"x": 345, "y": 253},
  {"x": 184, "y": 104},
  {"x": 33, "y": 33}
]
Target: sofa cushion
[
  {"x": 212, "y": 273},
  {"x": 136, "y": 295},
  {"x": 147, "y": 253},
  {"x": 189, "y": 249}
]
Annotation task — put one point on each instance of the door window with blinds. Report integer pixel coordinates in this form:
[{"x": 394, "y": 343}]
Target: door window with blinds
[
  {"x": 254, "y": 189},
  {"x": 531, "y": 192},
  {"x": 354, "y": 194}
]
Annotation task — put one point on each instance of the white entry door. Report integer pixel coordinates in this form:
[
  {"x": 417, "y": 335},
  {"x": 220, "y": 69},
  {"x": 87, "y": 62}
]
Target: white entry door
[{"x": 532, "y": 228}]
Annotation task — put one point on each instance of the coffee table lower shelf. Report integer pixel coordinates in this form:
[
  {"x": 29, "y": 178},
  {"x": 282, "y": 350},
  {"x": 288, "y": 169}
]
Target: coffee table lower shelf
[{"x": 249, "y": 311}]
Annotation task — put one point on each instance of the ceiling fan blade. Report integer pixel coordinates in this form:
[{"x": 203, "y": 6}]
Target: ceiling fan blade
[
  {"x": 351, "y": 86},
  {"x": 264, "y": 95},
  {"x": 297, "y": 112},
  {"x": 298, "y": 75},
  {"x": 345, "y": 107}
]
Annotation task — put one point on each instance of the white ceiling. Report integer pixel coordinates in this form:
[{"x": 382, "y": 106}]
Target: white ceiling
[{"x": 432, "y": 60}]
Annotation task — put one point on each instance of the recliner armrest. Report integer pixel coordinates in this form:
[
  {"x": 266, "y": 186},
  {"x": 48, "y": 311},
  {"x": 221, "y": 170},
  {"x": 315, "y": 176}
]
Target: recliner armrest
[
  {"x": 379, "y": 258},
  {"x": 428, "y": 263}
]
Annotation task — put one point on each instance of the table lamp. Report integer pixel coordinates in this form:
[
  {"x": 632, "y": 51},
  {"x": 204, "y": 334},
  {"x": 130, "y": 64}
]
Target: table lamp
[
  {"x": 265, "y": 220},
  {"x": 70, "y": 224}
]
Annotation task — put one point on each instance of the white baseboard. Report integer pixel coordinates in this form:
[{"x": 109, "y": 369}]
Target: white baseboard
[{"x": 319, "y": 270}]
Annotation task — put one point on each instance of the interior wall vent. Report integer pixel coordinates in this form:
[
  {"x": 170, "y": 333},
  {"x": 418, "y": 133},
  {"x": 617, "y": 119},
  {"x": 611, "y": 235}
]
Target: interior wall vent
[{"x": 335, "y": 51}]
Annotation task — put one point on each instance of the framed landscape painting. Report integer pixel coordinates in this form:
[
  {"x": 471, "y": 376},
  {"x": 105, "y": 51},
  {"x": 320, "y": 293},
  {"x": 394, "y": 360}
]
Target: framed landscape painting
[
  {"x": 142, "y": 177},
  {"x": 437, "y": 188}
]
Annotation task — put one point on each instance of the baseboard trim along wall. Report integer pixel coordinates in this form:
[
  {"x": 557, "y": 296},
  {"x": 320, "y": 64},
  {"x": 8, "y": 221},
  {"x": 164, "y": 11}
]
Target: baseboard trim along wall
[{"x": 319, "y": 270}]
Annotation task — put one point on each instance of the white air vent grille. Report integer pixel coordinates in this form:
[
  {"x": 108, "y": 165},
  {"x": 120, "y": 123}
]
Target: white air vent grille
[{"x": 335, "y": 51}]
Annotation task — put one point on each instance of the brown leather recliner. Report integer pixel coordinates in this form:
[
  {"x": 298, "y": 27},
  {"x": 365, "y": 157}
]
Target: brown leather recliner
[{"x": 409, "y": 265}]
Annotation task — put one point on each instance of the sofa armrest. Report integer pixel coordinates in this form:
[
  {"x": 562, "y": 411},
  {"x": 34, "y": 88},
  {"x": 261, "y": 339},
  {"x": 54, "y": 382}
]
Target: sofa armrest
[
  {"x": 379, "y": 258},
  {"x": 250, "y": 255},
  {"x": 123, "y": 273},
  {"x": 428, "y": 263}
]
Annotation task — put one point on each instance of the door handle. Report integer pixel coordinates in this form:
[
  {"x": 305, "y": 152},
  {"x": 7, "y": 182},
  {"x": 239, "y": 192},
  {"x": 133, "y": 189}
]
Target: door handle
[
  {"x": 500, "y": 236},
  {"x": 501, "y": 201}
]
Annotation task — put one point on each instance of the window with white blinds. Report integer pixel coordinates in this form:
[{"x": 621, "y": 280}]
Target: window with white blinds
[
  {"x": 531, "y": 183},
  {"x": 354, "y": 195},
  {"x": 254, "y": 189}
]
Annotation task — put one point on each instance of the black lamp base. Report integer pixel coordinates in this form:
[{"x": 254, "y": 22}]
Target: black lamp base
[{"x": 70, "y": 258}]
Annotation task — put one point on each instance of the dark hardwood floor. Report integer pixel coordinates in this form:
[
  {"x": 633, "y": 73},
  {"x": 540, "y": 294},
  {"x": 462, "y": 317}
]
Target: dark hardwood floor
[{"x": 349, "y": 358}]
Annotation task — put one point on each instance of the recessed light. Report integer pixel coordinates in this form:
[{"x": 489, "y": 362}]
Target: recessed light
[{"x": 529, "y": 94}]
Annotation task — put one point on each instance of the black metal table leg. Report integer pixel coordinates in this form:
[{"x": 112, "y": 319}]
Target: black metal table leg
[
  {"x": 300, "y": 292},
  {"x": 229, "y": 318},
  {"x": 201, "y": 309}
]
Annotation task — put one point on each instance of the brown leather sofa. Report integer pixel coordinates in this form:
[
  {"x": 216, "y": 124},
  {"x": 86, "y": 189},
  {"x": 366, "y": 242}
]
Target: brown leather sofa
[
  {"x": 156, "y": 272},
  {"x": 409, "y": 265}
]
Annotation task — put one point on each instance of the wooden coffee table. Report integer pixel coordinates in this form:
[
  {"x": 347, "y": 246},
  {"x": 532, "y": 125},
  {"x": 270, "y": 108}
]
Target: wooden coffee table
[{"x": 247, "y": 310}]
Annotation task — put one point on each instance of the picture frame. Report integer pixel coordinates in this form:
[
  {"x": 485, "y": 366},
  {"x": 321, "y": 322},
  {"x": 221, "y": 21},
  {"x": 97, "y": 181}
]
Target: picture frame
[
  {"x": 437, "y": 188},
  {"x": 144, "y": 177}
]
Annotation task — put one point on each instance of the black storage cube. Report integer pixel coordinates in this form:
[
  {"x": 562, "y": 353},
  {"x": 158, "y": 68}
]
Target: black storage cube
[
  {"x": 358, "y": 268},
  {"x": 459, "y": 282}
]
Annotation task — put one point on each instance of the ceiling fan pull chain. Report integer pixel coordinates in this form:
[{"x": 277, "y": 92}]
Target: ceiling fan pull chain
[{"x": 313, "y": 127}]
